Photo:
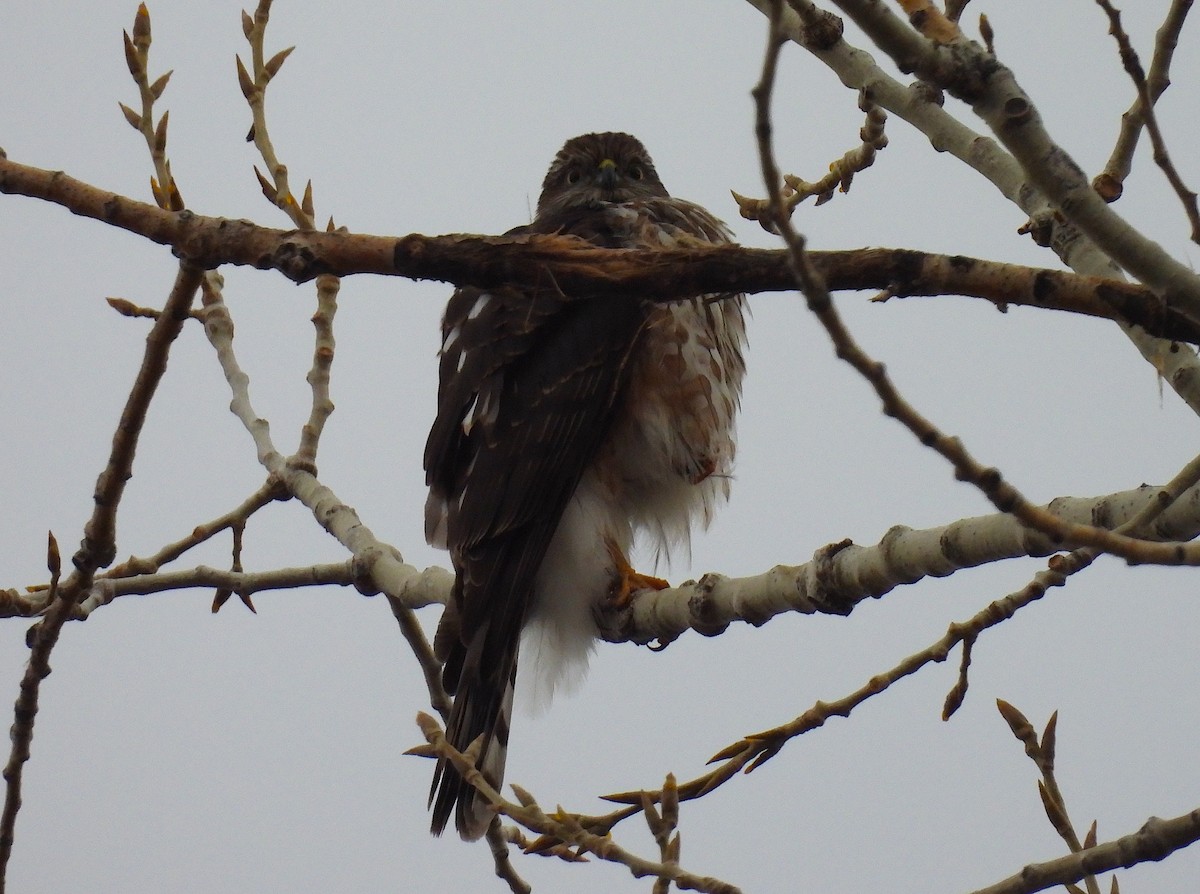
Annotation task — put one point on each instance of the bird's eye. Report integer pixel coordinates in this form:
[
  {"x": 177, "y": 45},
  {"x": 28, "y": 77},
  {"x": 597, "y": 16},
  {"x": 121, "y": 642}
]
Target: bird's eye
[
  {"x": 573, "y": 176},
  {"x": 636, "y": 172}
]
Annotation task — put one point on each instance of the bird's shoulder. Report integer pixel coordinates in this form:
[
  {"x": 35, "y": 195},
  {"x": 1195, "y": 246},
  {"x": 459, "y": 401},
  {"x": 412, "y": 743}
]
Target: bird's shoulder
[{"x": 651, "y": 222}]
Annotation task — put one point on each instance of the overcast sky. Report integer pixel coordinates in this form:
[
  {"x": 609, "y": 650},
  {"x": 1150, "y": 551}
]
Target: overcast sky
[{"x": 175, "y": 750}]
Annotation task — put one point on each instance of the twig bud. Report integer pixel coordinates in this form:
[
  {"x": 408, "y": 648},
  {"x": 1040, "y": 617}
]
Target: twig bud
[
  {"x": 141, "y": 28},
  {"x": 244, "y": 80},
  {"x": 275, "y": 63},
  {"x": 160, "y": 84},
  {"x": 134, "y": 119}
]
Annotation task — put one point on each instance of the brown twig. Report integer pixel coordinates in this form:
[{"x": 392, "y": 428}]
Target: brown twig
[
  {"x": 1133, "y": 67},
  {"x": 269, "y": 491},
  {"x": 99, "y": 541},
  {"x": 841, "y": 172},
  {"x": 1109, "y": 183},
  {"x": 1042, "y": 753},
  {"x": 969, "y": 73},
  {"x": 137, "y": 59},
  {"x": 560, "y": 825},
  {"x": 1061, "y": 567},
  {"x": 254, "y": 88}
]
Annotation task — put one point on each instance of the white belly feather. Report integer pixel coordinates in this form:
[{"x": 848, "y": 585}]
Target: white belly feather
[{"x": 664, "y": 466}]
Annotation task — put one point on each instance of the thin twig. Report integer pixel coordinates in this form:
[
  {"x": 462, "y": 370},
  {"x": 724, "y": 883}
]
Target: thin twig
[
  {"x": 857, "y": 69},
  {"x": 1110, "y": 182},
  {"x": 99, "y": 542},
  {"x": 254, "y": 88},
  {"x": 318, "y": 375},
  {"x": 841, "y": 172},
  {"x": 560, "y": 825},
  {"x": 266, "y": 493},
  {"x": 1042, "y": 753},
  {"x": 1133, "y": 67},
  {"x": 244, "y": 583},
  {"x": 1063, "y": 566}
]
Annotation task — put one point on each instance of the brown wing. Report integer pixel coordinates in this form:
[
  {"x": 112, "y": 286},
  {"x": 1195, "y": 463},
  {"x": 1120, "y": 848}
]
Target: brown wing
[{"x": 529, "y": 380}]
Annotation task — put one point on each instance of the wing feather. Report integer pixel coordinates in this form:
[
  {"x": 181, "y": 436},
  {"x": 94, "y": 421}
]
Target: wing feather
[{"x": 530, "y": 382}]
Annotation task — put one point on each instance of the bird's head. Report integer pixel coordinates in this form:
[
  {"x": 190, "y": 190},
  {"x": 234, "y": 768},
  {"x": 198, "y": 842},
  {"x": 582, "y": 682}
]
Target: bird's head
[{"x": 599, "y": 167}]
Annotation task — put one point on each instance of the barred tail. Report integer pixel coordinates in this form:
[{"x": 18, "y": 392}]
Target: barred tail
[{"x": 482, "y": 707}]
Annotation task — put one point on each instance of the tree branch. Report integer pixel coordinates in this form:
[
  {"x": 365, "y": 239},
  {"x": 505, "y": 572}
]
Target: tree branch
[
  {"x": 1155, "y": 840},
  {"x": 820, "y": 33},
  {"x": 1110, "y": 182},
  {"x": 966, "y": 70},
  {"x": 580, "y": 268},
  {"x": 378, "y": 567},
  {"x": 99, "y": 542}
]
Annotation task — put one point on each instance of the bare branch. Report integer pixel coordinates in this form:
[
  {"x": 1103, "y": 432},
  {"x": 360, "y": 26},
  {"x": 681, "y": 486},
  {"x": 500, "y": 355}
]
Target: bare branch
[
  {"x": 975, "y": 77},
  {"x": 857, "y": 69},
  {"x": 378, "y": 567},
  {"x": 1041, "y": 752},
  {"x": 99, "y": 541},
  {"x": 339, "y": 574},
  {"x": 1133, "y": 67},
  {"x": 580, "y": 268},
  {"x": 1155, "y": 840},
  {"x": 841, "y": 172},
  {"x": 254, "y": 87},
  {"x": 1109, "y": 183},
  {"x": 318, "y": 376},
  {"x": 561, "y": 825}
]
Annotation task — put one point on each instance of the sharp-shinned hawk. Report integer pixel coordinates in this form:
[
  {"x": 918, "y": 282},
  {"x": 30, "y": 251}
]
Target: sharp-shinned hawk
[{"x": 565, "y": 424}]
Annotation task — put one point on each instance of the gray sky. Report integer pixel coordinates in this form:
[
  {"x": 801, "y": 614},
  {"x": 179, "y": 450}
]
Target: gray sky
[{"x": 180, "y": 751}]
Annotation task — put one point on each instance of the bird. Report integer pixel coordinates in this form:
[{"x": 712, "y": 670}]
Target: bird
[{"x": 566, "y": 424}]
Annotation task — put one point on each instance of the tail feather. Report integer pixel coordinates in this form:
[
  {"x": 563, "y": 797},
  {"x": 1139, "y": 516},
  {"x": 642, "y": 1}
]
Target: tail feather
[{"x": 481, "y": 708}]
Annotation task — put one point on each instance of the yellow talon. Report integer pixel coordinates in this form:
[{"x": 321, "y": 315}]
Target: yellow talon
[{"x": 629, "y": 581}]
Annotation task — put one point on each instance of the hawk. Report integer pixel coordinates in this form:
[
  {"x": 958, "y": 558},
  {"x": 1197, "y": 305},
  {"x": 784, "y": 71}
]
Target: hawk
[{"x": 565, "y": 424}]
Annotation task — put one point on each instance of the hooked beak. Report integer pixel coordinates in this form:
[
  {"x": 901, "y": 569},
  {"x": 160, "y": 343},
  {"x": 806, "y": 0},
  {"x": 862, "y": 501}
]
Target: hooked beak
[{"x": 606, "y": 175}]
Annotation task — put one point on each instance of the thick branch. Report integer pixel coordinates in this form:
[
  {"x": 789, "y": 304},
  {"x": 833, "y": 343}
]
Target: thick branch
[
  {"x": 578, "y": 268},
  {"x": 820, "y": 34},
  {"x": 970, "y": 74},
  {"x": 1155, "y": 840},
  {"x": 840, "y": 576}
]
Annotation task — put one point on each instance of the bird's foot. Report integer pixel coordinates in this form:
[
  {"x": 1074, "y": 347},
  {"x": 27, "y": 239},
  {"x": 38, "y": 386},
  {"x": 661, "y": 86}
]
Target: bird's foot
[{"x": 629, "y": 581}]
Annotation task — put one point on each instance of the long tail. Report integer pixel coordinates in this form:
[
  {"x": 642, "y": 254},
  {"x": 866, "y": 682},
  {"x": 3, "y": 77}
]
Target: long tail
[{"x": 482, "y": 707}]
